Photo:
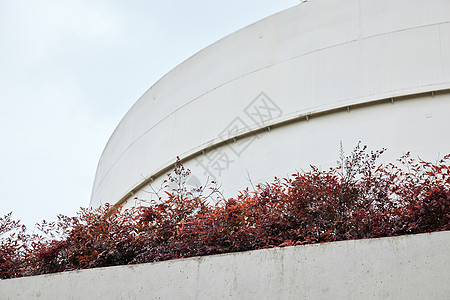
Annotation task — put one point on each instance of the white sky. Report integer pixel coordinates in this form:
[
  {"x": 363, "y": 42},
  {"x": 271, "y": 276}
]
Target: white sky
[{"x": 70, "y": 70}]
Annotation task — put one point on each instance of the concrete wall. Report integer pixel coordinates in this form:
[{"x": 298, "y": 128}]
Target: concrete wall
[
  {"x": 407, "y": 267},
  {"x": 297, "y": 74}
]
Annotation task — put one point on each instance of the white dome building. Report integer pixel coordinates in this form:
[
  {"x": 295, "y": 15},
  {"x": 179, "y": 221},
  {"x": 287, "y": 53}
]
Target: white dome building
[{"x": 282, "y": 93}]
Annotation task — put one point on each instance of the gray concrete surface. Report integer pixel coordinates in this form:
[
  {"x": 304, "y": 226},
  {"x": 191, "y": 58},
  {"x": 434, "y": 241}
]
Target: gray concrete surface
[{"x": 407, "y": 267}]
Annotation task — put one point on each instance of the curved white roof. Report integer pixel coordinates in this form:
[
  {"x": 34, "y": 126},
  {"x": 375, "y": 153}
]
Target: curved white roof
[{"x": 316, "y": 57}]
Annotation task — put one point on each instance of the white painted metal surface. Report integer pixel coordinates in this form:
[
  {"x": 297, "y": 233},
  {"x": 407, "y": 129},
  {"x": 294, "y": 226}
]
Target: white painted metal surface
[
  {"x": 304, "y": 72},
  {"x": 406, "y": 267}
]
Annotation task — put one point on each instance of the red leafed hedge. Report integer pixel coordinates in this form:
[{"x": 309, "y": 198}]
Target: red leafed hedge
[{"x": 358, "y": 199}]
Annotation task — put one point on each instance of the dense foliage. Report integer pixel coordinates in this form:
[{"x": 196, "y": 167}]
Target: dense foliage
[{"x": 358, "y": 199}]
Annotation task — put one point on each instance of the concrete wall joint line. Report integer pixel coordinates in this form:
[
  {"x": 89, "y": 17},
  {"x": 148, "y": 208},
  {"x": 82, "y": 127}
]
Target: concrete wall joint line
[
  {"x": 255, "y": 71},
  {"x": 191, "y": 154}
]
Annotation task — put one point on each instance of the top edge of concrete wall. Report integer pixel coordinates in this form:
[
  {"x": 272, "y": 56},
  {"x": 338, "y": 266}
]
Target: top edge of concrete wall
[{"x": 404, "y": 267}]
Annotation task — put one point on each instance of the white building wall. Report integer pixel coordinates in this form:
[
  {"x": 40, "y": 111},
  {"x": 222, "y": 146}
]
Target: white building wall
[
  {"x": 406, "y": 267},
  {"x": 316, "y": 57}
]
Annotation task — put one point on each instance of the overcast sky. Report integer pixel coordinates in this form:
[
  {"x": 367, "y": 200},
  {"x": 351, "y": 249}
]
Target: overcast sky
[{"x": 70, "y": 70}]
